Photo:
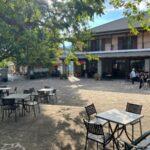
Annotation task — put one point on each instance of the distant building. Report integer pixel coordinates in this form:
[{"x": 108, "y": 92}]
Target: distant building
[{"x": 118, "y": 50}]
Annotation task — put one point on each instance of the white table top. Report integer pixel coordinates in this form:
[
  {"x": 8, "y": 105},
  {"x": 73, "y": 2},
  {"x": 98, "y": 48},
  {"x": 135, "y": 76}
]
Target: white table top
[
  {"x": 5, "y": 88},
  {"x": 17, "y": 96},
  {"x": 119, "y": 117},
  {"x": 46, "y": 89}
]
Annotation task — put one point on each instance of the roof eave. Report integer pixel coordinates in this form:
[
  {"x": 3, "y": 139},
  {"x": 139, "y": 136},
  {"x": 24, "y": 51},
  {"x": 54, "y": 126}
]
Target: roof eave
[{"x": 115, "y": 32}]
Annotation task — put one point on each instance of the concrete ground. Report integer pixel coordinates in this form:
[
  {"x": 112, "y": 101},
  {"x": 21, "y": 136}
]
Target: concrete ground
[{"x": 61, "y": 126}]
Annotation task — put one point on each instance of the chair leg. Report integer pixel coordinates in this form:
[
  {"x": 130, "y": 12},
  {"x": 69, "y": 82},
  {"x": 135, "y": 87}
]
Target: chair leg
[
  {"x": 33, "y": 107},
  {"x": 97, "y": 145},
  {"x": 140, "y": 127},
  {"x": 56, "y": 98},
  {"x": 132, "y": 132},
  {"x": 39, "y": 108},
  {"x": 113, "y": 145},
  {"x": 2, "y": 115},
  {"x": 86, "y": 144},
  {"x": 23, "y": 112},
  {"x": 103, "y": 146},
  {"x": 29, "y": 109},
  {"x": 15, "y": 115}
]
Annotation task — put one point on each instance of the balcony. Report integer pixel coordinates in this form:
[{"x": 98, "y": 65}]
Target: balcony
[{"x": 117, "y": 53}]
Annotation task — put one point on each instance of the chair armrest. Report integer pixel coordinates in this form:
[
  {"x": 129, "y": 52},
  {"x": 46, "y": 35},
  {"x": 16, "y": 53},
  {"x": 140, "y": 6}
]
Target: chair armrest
[{"x": 129, "y": 146}]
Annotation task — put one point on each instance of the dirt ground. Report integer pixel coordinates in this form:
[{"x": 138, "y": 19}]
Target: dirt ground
[{"x": 60, "y": 126}]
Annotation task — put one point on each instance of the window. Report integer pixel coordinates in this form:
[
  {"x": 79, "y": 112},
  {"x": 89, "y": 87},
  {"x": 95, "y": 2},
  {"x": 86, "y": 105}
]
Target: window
[
  {"x": 106, "y": 44},
  {"x": 127, "y": 42},
  {"x": 94, "y": 45}
]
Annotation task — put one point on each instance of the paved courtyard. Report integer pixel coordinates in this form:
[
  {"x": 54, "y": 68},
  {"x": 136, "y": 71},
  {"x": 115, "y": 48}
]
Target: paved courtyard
[{"x": 60, "y": 126}]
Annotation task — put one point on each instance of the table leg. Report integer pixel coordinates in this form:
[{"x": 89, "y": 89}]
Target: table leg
[
  {"x": 115, "y": 131},
  {"x": 23, "y": 106},
  {"x": 125, "y": 129},
  {"x": 112, "y": 137}
]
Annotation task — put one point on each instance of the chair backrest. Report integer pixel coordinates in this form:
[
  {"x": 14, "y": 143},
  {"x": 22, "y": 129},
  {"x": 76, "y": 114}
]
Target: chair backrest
[
  {"x": 3, "y": 86},
  {"x": 54, "y": 91},
  {"x": 1, "y": 93},
  {"x": 90, "y": 110},
  {"x": 32, "y": 90},
  {"x": 15, "y": 90},
  {"x": 41, "y": 92},
  {"x": 27, "y": 91},
  {"x": 8, "y": 102},
  {"x": 134, "y": 108},
  {"x": 93, "y": 128},
  {"x": 47, "y": 87}
]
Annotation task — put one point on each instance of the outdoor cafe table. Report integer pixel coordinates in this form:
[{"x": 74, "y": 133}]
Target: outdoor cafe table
[
  {"x": 18, "y": 97},
  {"x": 5, "y": 89},
  {"x": 46, "y": 89},
  {"x": 118, "y": 117}
]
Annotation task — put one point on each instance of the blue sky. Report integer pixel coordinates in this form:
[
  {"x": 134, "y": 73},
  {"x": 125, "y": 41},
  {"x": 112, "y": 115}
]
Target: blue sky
[
  {"x": 107, "y": 17},
  {"x": 110, "y": 14}
]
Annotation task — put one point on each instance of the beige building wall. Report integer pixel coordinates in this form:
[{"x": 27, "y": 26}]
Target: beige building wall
[
  {"x": 139, "y": 40},
  {"x": 147, "y": 40},
  {"x": 115, "y": 42}
]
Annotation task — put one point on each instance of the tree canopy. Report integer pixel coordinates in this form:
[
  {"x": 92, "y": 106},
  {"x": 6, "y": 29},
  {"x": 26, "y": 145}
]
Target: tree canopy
[
  {"x": 32, "y": 31},
  {"x": 137, "y": 11}
]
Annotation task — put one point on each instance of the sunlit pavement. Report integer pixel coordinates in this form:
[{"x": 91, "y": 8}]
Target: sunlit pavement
[{"x": 61, "y": 126}]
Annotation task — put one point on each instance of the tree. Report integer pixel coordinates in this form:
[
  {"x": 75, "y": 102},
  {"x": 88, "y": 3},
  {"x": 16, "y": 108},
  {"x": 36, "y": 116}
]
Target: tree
[
  {"x": 32, "y": 30},
  {"x": 134, "y": 13}
]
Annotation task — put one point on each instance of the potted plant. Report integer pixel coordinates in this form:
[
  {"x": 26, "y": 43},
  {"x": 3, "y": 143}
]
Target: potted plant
[{"x": 97, "y": 76}]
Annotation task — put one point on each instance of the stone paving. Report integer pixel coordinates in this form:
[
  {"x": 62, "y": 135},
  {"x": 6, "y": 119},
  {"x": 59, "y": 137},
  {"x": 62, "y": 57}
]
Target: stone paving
[{"x": 61, "y": 126}]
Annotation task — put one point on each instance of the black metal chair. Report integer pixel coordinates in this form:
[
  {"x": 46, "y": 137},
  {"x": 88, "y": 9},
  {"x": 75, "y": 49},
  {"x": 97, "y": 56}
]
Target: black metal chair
[
  {"x": 33, "y": 102},
  {"x": 1, "y": 104},
  {"x": 134, "y": 108},
  {"x": 3, "y": 86},
  {"x": 1, "y": 94},
  {"x": 8, "y": 107},
  {"x": 53, "y": 96},
  {"x": 14, "y": 91},
  {"x": 141, "y": 143},
  {"x": 43, "y": 97},
  {"x": 32, "y": 90},
  {"x": 96, "y": 133},
  {"x": 91, "y": 111}
]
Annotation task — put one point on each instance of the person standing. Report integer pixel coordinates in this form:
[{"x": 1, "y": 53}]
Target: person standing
[
  {"x": 141, "y": 80},
  {"x": 133, "y": 75}
]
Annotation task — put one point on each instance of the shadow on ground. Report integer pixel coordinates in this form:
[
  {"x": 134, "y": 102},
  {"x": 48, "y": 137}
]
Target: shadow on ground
[{"x": 54, "y": 129}]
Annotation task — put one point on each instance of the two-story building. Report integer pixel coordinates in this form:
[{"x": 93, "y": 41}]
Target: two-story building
[{"x": 118, "y": 50}]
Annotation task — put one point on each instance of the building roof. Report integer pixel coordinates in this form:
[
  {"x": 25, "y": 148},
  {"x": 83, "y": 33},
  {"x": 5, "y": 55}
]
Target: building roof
[{"x": 114, "y": 26}]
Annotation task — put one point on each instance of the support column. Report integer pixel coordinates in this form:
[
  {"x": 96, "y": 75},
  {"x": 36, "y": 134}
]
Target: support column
[
  {"x": 64, "y": 68},
  {"x": 71, "y": 68},
  {"x": 99, "y": 68},
  {"x": 147, "y": 65}
]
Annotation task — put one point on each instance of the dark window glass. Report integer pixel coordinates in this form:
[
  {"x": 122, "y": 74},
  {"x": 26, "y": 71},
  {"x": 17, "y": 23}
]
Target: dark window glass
[
  {"x": 128, "y": 42},
  {"x": 103, "y": 45},
  {"x": 94, "y": 45}
]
